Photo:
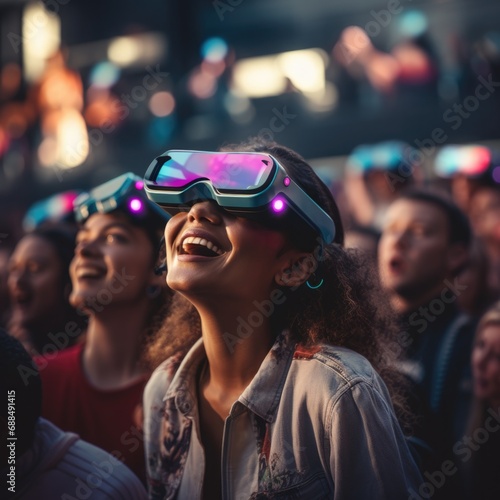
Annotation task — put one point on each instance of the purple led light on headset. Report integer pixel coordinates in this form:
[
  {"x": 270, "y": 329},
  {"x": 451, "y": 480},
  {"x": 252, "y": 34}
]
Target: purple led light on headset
[
  {"x": 135, "y": 205},
  {"x": 278, "y": 205}
]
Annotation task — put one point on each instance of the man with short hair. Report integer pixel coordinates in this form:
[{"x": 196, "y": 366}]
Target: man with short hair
[{"x": 423, "y": 248}]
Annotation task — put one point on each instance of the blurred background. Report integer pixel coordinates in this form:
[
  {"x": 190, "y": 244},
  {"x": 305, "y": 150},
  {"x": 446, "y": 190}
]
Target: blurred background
[{"x": 91, "y": 89}]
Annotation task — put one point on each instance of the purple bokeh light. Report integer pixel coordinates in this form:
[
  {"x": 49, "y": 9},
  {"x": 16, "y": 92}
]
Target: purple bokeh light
[
  {"x": 286, "y": 181},
  {"x": 496, "y": 174},
  {"x": 139, "y": 185}
]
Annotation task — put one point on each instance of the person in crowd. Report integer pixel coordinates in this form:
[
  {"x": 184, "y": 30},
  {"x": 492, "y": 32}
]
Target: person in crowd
[
  {"x": 424, "y": 247},
  {"x": 39, "y": 460},
  {"x": 57, "y": 209},
  {"x": 39, "y": 287},
  {"x": 463, "y": 169},
  {"x": 95, "y": 388},
  {"x": 472, "y": 176},
  {"x": 485, "y": 219},
  {"x": 275, "y": 344},
  {"x": 375, "y": 174},
  {"x": 365, "y": 239},
  {"x": 481, "y": 460},
  {"x": 478, "y": 292}
]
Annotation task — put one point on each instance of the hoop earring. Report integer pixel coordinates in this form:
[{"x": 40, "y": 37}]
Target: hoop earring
[
  {"x": 315, "y": 286},
  {"x": 159, "y": 270}
]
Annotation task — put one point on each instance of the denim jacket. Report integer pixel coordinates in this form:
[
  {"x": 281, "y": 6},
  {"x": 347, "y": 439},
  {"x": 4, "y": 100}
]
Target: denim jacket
[{"x": 313, "y": 423}]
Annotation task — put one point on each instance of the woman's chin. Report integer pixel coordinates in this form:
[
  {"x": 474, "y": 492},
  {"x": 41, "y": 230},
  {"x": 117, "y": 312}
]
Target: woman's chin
[{"x": 80, "y": 301}]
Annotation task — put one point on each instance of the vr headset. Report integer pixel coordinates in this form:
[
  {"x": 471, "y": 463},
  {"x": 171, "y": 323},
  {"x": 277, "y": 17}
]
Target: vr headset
[
  {"x": 249, "y": 184},
  {"x": 125, "y": 192}
]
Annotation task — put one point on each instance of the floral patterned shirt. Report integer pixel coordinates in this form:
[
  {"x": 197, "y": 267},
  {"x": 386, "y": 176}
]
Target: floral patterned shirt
[{"x": 313, "y": 423}]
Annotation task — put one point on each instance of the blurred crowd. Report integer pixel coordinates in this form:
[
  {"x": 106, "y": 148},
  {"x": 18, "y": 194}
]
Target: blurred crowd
[
  {"x": 82, "y": 281},
  {"x": 432, "y": 239}
]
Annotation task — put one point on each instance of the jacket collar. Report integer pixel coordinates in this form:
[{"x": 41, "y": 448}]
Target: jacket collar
[{"x": 262, "y": 395}]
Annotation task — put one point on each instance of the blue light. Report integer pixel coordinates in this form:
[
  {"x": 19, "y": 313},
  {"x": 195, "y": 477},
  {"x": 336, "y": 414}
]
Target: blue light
[
  {"x": 214, "y": 49},
  {"x": 413, "y": 23},
  {"x": 104, "y": 75}
]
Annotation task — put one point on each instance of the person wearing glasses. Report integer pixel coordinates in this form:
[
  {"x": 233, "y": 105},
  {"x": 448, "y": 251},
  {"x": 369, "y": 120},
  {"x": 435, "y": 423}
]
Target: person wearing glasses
[
  {"x": 95, "y": 388},
  {"x": 275, "y": 344}
]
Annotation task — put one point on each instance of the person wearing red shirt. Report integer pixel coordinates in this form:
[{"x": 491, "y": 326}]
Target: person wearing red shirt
[{"x": 95, "y": 388}]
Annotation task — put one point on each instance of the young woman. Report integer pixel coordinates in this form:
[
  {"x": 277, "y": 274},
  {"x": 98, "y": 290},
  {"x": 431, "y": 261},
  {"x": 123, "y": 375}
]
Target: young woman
[
  {"x": 95, "y": 389},
  {"x": 39, "y": 287},
  {"x": 278, "y": 397},
  {"x": 481, "y": 459}
]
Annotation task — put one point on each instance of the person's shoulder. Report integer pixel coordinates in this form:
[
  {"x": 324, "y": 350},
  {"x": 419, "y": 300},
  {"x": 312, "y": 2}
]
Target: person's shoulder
[
  {"x": 326, "y": 375},
  {"x": 71, "y": 466},
  {"x": 102, "y": 472},
  {"x": 342, "y": 362}
]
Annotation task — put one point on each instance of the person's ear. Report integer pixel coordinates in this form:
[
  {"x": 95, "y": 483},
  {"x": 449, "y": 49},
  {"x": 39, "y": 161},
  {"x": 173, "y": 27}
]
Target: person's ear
[
  {"x": 296, "y": 270},
  {"x": 156, "y": 283}
]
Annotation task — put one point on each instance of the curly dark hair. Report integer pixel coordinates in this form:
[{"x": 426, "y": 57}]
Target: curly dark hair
[{"x": 348, "y": 310}]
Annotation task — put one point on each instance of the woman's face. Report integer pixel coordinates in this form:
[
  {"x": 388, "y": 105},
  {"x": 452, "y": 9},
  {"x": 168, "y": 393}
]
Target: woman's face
[
  {"x": 113, "y": 263},
  {"x": 486, "y": 364},
  {"x": 214, "y": 254},
  {"x": 35, "y": 282}
]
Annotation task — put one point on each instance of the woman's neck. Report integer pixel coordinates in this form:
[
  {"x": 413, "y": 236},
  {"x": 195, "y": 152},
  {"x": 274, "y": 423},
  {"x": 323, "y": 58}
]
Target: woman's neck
[
  {"x": 111, "y": 357},
  {"x": 235, "y": 347}
]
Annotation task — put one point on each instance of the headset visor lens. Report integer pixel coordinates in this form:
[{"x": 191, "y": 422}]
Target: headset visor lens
[{"x": 227, "y": 172}]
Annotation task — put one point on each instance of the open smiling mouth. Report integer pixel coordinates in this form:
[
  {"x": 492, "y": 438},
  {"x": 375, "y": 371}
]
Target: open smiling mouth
[
  {"x": 89, "y": 272},
  {"x": 193, "y": 245}
]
